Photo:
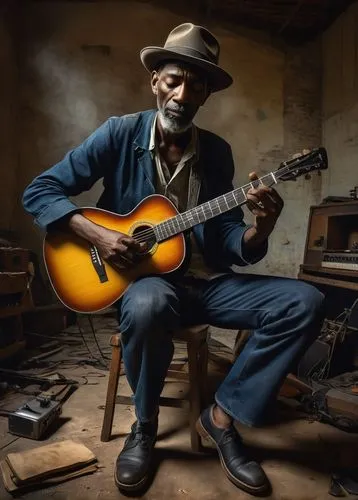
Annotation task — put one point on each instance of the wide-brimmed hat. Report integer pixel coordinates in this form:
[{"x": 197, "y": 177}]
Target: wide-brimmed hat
[{"x": 192, "y": 44}]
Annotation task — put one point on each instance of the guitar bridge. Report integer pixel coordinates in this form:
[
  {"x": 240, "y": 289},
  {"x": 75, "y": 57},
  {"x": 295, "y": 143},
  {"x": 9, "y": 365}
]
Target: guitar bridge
[{"x": 98, "y": 264}]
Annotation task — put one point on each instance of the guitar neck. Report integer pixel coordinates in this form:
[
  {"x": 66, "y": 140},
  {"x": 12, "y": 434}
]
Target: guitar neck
[{"x": 210, "y": 209}]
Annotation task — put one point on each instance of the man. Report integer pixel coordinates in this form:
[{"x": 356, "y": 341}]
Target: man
[{"x": 162, "y": 151}]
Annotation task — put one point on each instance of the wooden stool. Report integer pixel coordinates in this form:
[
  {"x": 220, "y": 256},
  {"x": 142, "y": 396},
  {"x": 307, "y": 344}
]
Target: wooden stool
[{"x": 197, "y": 346}]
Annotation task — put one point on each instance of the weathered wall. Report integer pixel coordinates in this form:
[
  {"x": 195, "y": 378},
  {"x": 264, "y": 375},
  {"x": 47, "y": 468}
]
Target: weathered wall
[
  {"x": 301, "y": 125},
  {"x": 80, "y": 65},
  {"x": 8, "y": 114},
  {"x": 340, "y": 103}
]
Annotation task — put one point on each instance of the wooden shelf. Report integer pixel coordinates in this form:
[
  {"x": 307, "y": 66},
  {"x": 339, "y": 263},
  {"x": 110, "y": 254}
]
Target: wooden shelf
[
  {"x": 324, "y": 280},
  {"x": 329, "y": 270}
]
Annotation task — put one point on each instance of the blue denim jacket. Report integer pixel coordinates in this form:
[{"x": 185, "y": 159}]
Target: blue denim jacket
[{"x": 118, "y": 152}]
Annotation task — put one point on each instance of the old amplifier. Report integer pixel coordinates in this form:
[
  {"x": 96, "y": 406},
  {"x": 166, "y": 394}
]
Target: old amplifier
[{"x": 340, "y": 260}]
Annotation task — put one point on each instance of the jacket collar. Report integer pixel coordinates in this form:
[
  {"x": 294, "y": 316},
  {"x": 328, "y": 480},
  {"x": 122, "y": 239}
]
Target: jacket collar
[{"x": 142, "y": 138}]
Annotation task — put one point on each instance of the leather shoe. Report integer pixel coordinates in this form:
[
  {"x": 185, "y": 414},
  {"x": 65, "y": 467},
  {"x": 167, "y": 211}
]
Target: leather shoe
[
  {"x": 239, "y": 468},
  {"x": 133, "y": 463}
]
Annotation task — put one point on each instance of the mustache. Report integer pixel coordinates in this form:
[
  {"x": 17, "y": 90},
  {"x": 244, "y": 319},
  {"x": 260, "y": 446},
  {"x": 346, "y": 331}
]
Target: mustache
[{"x": 178, "y": 108}]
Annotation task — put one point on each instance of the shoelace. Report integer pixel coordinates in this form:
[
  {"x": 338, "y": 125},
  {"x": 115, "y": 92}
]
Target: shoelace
[
  {"x": 232, "y": 437},
  {"x": 140, "y": 434},
  {"x": 229, "y": 435}
]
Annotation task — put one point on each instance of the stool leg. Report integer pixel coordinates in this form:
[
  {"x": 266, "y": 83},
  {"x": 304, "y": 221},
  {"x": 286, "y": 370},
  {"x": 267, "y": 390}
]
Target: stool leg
[
  {"x": 112, "y": 388},
  {"x": 194, "y": 393},
  {"x": 203, "y": 356}
]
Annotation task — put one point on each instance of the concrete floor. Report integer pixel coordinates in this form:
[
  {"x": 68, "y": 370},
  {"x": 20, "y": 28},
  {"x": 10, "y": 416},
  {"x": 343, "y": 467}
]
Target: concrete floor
[{"x": 297, "y": 455}]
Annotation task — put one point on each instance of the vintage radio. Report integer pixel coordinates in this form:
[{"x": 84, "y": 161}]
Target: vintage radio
[{"x": 331, "y": 252}]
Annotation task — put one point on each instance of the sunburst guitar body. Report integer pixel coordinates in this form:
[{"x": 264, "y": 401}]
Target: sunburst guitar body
[{"x": 71, "y": 261}]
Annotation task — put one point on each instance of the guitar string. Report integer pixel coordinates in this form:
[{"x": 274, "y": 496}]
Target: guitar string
[{"x": 147, "y": 234}]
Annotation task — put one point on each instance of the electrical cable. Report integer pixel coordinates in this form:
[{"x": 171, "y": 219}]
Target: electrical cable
[
  {"x": 95, "y": 338},
  {"x": 337, "y": 330}
]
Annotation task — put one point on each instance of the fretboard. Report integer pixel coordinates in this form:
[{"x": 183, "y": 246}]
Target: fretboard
[{"x": 210, "y": 209}]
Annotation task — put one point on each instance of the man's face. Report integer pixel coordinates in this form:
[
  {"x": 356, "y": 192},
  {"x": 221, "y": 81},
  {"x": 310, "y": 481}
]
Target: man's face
[{"x": 180, "y": 90}]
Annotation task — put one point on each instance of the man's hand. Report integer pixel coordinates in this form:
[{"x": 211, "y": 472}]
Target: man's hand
[
  {"x": 118, "y": 249},
  {"x": 266, "y": 205}
]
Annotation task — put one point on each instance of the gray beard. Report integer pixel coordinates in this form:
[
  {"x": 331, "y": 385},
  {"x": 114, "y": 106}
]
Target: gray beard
[{"x": 171, "y": 125}]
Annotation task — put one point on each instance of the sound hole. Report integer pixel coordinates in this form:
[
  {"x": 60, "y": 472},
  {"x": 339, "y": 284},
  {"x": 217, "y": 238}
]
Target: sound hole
[{"x": 145, "y": 233}]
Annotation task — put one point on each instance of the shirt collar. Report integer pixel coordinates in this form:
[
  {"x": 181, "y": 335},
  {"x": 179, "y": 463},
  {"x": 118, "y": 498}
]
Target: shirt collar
[{"x": 152, "y": 133}]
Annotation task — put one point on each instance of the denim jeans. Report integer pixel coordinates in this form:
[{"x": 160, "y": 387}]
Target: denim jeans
[{"x": 285, "y": 316}]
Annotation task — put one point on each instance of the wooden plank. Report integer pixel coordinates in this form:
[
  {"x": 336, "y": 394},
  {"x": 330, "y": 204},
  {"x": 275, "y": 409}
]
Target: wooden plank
[
  {"x": 194, "y": 393},
  {"x": 178, "y": 375},
  {"x": 326, "y": 270},
  {"x": 171, "y": 402},
  {"x": 111, "y": 398},
  {"x": 342, "y": 403},
  {"x": 328, "y": 281},
  {"x": 346, "y": 208},
  {"x": 197, "y": 332}
]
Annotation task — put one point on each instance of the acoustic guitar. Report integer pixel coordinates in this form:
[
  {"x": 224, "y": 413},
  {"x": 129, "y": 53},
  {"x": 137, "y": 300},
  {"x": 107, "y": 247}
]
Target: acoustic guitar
[{"x": 87, "y": 284}]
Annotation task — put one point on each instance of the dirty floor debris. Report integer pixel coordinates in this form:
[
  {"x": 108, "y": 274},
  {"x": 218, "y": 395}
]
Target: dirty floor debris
[{"x": 296, "y": 454}]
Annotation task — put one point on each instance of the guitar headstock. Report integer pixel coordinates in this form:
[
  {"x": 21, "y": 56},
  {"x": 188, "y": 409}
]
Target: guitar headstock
[{"x": 316, "y": 159}]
